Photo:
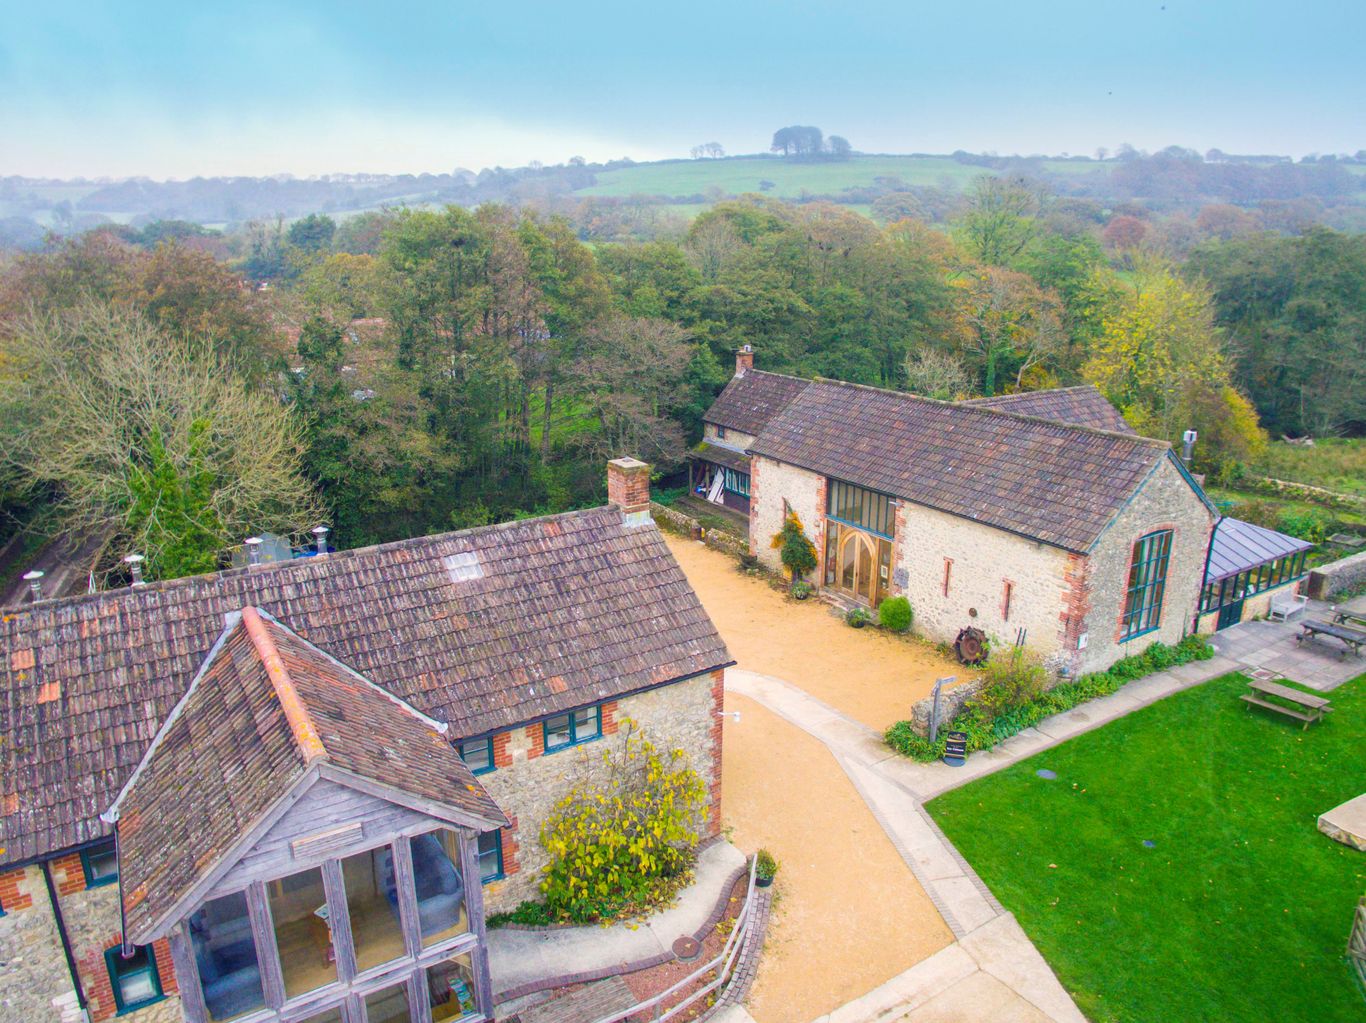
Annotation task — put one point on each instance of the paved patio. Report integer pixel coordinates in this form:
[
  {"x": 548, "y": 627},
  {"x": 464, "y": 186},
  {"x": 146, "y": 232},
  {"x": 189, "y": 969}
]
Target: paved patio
[{"x": 1319, "y": 664}]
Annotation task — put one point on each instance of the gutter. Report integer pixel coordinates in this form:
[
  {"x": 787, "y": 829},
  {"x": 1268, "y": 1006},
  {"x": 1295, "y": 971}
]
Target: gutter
[{"x": 65, "y": 938}]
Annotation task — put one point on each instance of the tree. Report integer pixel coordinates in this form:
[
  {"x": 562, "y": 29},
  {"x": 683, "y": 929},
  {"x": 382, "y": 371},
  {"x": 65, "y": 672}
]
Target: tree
[
  {"x": 839, "y": 147},
  {"x": 714, "y": 150},
  {"x": 1124, "y": 233},
  {"x": 1013, "y": 325},
  {"x": 1000, "y": 219},
  {"x": 931, "y": 373},
  {"x": 798, "y": 140},
  {"x": 312, "y": 233},
  {"x": 796, "y": 551},
  {"x": 149, "y": 441},
  {"x": 1159, "y": 358}
]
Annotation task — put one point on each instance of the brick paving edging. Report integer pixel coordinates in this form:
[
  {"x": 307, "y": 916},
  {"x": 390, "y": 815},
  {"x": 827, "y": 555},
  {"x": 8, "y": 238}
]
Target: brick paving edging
[
  {"x": 747, "y": 960},
  {"x": 659, "y": 959}
]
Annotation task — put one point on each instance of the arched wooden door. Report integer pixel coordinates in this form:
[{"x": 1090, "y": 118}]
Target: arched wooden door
[{"x": 857, "y": 565}]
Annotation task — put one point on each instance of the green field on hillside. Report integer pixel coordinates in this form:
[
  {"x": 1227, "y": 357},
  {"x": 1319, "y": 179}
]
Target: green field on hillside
[{"x": 790, "y": 179}]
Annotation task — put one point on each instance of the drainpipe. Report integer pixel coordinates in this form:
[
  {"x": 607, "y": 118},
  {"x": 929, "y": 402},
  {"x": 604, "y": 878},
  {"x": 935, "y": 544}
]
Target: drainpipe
[{"x": 65, "y": 939}]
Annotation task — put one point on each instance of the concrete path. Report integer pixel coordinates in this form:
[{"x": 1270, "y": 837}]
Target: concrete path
[
  {"x": 993, "y": 971},
  {"x": 519, "y": 957},
  {"x": 1322, "y": 664}
]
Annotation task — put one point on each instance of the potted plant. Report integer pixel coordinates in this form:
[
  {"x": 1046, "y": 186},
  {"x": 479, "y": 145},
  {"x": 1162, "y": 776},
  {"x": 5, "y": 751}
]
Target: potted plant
[
  {"x": 765, "y": 868},
  {"x": 858, "y": 617},
  {"x": 802, "y": 589}
]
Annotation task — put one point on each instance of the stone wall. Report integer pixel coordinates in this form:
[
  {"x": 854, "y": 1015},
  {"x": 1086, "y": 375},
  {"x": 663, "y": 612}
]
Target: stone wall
[
  {"x": 33, "y": 971},
  {"x": 770, "y": 484},
  {"x": 1328, "y": 580},
  {"x": 1166, "y": 501},
  {"x": 93, "y": 925},
  {"x": 530, "y": 782},
  {"x": 679, "y": 522},
  {"x": 952, "y": 699},
  {"x": 984, "y": 560},
  {"x": 733, "y": 438}
]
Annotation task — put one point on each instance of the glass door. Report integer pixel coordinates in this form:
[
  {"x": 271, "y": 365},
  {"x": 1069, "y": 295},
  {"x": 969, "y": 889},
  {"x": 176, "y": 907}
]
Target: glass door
[{"x": 858, "y": 568}]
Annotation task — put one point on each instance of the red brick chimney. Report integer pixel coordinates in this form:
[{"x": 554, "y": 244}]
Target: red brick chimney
[
  {"x": 628, "y": 487},
  {"x": 744, "y": 360}
]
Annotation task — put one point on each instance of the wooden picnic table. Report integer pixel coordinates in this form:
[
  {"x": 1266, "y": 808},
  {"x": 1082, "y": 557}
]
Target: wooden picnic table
[
  {"x": 1341, "y": 616},
  {"x": 1308, "y": 708},
  {"x": 1350, "y": 637}
]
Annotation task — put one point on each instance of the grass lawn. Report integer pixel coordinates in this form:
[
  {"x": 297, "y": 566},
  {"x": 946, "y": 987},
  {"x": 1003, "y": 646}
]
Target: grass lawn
[
  {"x": 1335, "y": 463},
  {"x": 1240, "y": 911}
]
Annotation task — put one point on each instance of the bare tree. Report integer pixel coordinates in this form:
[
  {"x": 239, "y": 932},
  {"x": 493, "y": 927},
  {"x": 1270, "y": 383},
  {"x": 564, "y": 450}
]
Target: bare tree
[
  {"x": 931, "y": 373},
  {"x": 147, "y": 438}
]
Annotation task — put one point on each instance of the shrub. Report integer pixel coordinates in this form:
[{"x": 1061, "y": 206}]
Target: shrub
[
  {"x": 623, "y": 840},
  {"x": 986, "y": 726},
  {"x": 802, "y": 589},
  {"x": 1310, "y": 524},
  {"x": 895, "y": 613},
  {"x": 765, "y": 867},
  {"x": 528, "y": 914},
  {"x": 858, "y": 617},
  {"x": 748, "y": 562},
  {"x": 1010, "y": 679},
  {"x": 797, "y": 552}
]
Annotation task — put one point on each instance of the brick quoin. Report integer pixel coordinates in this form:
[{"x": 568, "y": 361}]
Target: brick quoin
[
  {"x": 609, "y": 718},
  {"x": 1076, "y": 602},
  {"x": 535, "y": 735},
  {"x": 510, "y": 848},
  {"x": 161, "y": 950},
  {"x": 718, "y": 693},
  {"x": 502, "y": 755},
  {"x": 68, "y": 874},
  {"x": 818, "y": 529},
  {"x": 11, "y": 898},
  {"x": 1124, "y": 596},
  {"x": 94, "y": 973}
]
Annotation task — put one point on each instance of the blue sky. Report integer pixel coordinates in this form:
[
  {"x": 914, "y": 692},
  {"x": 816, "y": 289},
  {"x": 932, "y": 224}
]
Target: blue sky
[{"x": 165, "y": 90}]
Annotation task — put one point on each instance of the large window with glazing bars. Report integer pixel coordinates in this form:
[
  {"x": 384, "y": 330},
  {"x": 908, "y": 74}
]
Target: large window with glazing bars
[
  {"x": 737, "y": 482},
  {"x": 858, "y": 506},
  {"x": 1147, "y": 584}
]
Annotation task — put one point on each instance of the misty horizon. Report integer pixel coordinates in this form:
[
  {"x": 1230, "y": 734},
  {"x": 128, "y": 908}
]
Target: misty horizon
[{"x": 159, "y": 92}]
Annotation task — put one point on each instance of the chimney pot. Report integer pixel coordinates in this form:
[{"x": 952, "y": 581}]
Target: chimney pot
[
  {"x": 744, "y": 360},
  {"x": 320, "y": 538},
  {"x": 628, "y": 488},
  {"x": 253, "y": 550},
  {"x": 35, "y": 584},
  {"x": 134, "y": 563}
]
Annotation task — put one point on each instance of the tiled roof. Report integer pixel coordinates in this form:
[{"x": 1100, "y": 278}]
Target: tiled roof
[
  {"x": 1055, "y": 483},
  {"x": 718, "y": 455},
  {"x": 1080, "y": 406},
  {"x": 484, "y": 629},
  {"x": 1238, "y": 545},
  {"x": 264, "y": 708},
  {"x": 750, "y": 401}
]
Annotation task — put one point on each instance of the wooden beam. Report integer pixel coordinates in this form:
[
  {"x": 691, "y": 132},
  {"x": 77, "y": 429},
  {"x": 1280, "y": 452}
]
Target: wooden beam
[
  {"x": 268, "y": 953},
  {"x": 419, "y": 1004},
  {"x": 339, "y": 919},
  {"x": 474, "y": 907},
  {"x": 409, "y": 917},
  {"x": 187, "y": 975}
]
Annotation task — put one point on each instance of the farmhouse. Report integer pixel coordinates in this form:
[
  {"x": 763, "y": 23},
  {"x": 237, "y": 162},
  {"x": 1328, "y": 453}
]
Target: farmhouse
[
  {"x": 290, "y": 791},
  {"x": 1038, "y": 518}
]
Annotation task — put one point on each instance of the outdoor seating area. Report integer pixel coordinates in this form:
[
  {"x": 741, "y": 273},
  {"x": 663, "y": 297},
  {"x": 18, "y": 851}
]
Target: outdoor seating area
[
  {"x": 1351, "y": 638},
  {"x": 1283, "y": 700}
]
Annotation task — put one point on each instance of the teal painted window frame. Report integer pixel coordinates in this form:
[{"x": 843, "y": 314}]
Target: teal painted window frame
[
  {"x": 1269, "y": 575},
  {"x": 498, "y": 874},
  {"x": 575, "y": 739},
  {"x": 488, "y": 745},
  {"x": 873, "y": 512},
  {"x": 1147, "y": 585},
  {"x": 736, "y": 482},
  {"x": 91, "y": 880},
  {"x": 114, "y": 955}
]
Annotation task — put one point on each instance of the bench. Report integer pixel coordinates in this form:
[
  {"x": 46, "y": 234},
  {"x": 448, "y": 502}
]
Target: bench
[
  {"x": 1307, "y": 708},
  {"x": 1351, "y": 619},
  {"x": 1286, "y": 606},
  {"x": 1349, "y": 637}
]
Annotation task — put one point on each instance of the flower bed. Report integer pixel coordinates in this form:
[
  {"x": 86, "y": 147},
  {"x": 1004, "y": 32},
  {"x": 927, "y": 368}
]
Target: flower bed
[{"x": 985, "y": 731}]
